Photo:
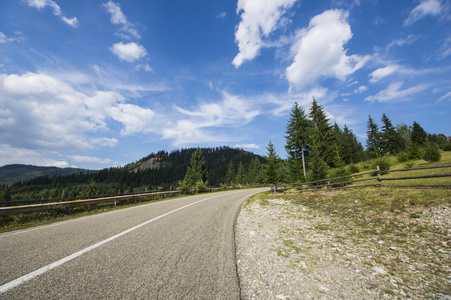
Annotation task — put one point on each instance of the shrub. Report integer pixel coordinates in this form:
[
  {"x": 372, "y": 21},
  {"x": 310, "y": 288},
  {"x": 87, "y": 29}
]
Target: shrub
[
  {"x": 201, "y": 186},
  {"x": 383, "y": 163},
  {"x": 447, "y": 146},
  {"x": 352, "y": 169},
  {"x": 318, "y": 169},
  {"x": 432, "y": 152},
  {"x": 403, "y": 156},
  {"x": 415, "y": 152},
  {"x": 183, "y": 186},
  {"x": 409, "y": 165},
  {"x": 339, "y": 173}
]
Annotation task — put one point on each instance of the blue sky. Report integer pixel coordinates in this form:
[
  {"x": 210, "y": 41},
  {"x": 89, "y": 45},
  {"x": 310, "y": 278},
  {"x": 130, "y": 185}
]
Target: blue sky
[{"x": 96, "y": 84}]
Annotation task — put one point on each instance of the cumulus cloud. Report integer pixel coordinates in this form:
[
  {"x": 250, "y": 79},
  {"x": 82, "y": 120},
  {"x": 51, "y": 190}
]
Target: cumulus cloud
[
  {"x": 247, "y": 146},
  {"x": 425, "y": 8},
  {"x": 40, "y": 4},
  {"x": 320, "y": 51},
  {"x": 258, "y": 19},
  {"x": 192, "y": 127},
  {"x": 378, "y": 74},
  {"x": 89, "y": 159},
  {"x": 360, "y": 89},
  {"x": 118, "y": 17},
  {"x": 129, "y": 52},
  {"x": 38, "y": 111},
  {"x": 394, "y": 93},
  {"x": 143, "y": 67}
]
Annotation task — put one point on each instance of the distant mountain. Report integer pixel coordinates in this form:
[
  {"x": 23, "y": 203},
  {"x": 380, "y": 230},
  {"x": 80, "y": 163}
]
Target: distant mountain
[{"x": 17, "y": 172}]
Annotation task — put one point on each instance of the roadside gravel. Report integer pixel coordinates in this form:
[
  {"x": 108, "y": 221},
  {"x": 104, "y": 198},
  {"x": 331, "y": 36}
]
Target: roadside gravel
[{"x": 288, "y": 251}]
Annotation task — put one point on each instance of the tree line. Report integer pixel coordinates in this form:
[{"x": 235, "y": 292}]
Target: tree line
[{"x": 315, "y": 146}]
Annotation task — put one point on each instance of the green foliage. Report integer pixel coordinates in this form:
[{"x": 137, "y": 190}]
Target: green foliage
[
  {"x": 90, "y": 190},
  {"x": 318, "y": 168},
  {"x": 198, "y": 170},
  {"x": 447, "y": 147},
  {"x": 6, "y": 194},
  {"x": 298, "y": 140},
  {"x": 273, "y": 164},
  {"x": 256, "y": 173},
  {"x": 418, "y": 135},
  {"x": 201, "y": 186},
  {"x": 431, "y": 152},
  {"x": 240, "y": 177},
  {"x": 353, "y": 169},
  {"x": 230, "y": 175},
  {"x": 373, "y": 142},
  {"x": 323, "y": 138},
  {"x": 340, "y": 172},
  {"x": 414, "y": 152},
  {"x": 391, "y": 141},
  {"x": 384, "y": 164},
  {"x": 183, "y": 186}
]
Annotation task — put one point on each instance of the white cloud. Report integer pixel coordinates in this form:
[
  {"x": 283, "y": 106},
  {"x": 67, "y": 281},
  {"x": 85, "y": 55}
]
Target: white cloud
[
  {"x": 382, "y": 73},
  {"x": 361, "y": 89},
  {"x": 129, "y": 52},
  {"x": 89, "y": 159},
  {"x": 393, "y": 93},
  {"x": 5, "y": 39},
  {"x": 193, "y": 126},
  {"x": 247, "y": 146},
  {"x": 38, "y": 111},
  {"x": 143, "y": 67},
  {"x": 221, "y": 15},
  {"x": 425, "y": 8},
  {"x": 320, "y": 51},
  {"x": 134, "y": 118},
  {"x": 40, "y": 4},
  {"x": 258, "y": 19},
  {"x": 13, "y": 155},
  {"x": 118, "y": 17},
  {"x": 447, "y": 96}
]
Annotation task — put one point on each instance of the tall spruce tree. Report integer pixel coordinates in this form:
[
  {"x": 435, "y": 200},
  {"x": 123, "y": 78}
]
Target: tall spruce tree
[
  {"x": 230, "y": 174},
  {"x": 353, "y": 150},
  {"x": 298, "y": 140},
  {"x": 255, "y": 172},
  {"x": 390, "y": 139},
  {"x": 240, "y": 177},
  {"x": 373, "y": 138},
  {"x": 198, "y": 169},
  {"x": 322, "y": 137},
  {"x": 404, "y": 133},
  {"x": 418, "y": 135},
  {"x": 272, "y": 164}
]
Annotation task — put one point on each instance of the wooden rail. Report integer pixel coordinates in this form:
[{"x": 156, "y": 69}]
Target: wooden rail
[
  {"x": 69, "y": 204},
  {"x": 314, "y": 187}
]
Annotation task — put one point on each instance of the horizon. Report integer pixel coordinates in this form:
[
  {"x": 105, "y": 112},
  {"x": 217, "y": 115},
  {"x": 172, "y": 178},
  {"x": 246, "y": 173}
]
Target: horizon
[{"x": 100, "y": 84}]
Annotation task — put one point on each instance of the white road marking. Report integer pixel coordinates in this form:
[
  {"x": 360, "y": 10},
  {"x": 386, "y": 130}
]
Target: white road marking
[{"x": 12, "y": 284}]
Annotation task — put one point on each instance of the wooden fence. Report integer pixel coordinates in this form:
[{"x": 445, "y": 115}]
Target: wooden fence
[
  {"x": 341, "y": 182},
  {"x": 64, "y": 203}
]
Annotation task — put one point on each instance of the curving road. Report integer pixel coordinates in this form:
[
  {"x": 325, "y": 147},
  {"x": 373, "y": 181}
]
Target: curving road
[{"x": 176, "y": 249}]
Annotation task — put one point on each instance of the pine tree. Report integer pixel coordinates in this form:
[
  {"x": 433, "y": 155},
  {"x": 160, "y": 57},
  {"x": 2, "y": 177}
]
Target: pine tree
[
  {"x": 198, "y": 169},
  {"x": 230, "y": 174},
  {"x": 418, "y": 135},
  {"x": 298, "y": 140},
  {"x": 255, "y": 173},
  {"x": 374, "y": 137},
  {"x": 322, "y": 135},
  {"x": 272, "y": 166},
  {"x": 390, "y": 139},
  {"x": 317, "y": 167},
  {"x": 240, "y": 174},
  {"x": 353, "y": 150}
]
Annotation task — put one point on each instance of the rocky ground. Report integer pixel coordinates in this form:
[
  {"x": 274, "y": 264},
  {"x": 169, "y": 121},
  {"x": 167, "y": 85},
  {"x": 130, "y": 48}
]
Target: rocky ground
[{"x": 287, "y": 250}]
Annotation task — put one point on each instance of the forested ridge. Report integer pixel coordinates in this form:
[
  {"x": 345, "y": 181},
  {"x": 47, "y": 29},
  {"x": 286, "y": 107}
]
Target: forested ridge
[{"x": 172, "y": 167}]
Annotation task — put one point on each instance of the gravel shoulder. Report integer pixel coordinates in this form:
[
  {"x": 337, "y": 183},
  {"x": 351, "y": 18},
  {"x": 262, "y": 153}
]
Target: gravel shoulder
[{"x": 287, "y": 250}]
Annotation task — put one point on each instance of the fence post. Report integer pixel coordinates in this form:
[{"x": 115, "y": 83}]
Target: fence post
[
  {"x": 63, "y": 195},
  {"x": 328, "y": 185},
  {"x": 379, "y": 176}
]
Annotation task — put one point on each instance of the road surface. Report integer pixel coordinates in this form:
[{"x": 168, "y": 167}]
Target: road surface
[{"x": 176, "y": 249}]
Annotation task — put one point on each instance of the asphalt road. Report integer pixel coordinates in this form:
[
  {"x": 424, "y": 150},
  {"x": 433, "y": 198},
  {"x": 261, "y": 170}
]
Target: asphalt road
[{"x": 176, "y": 249}]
